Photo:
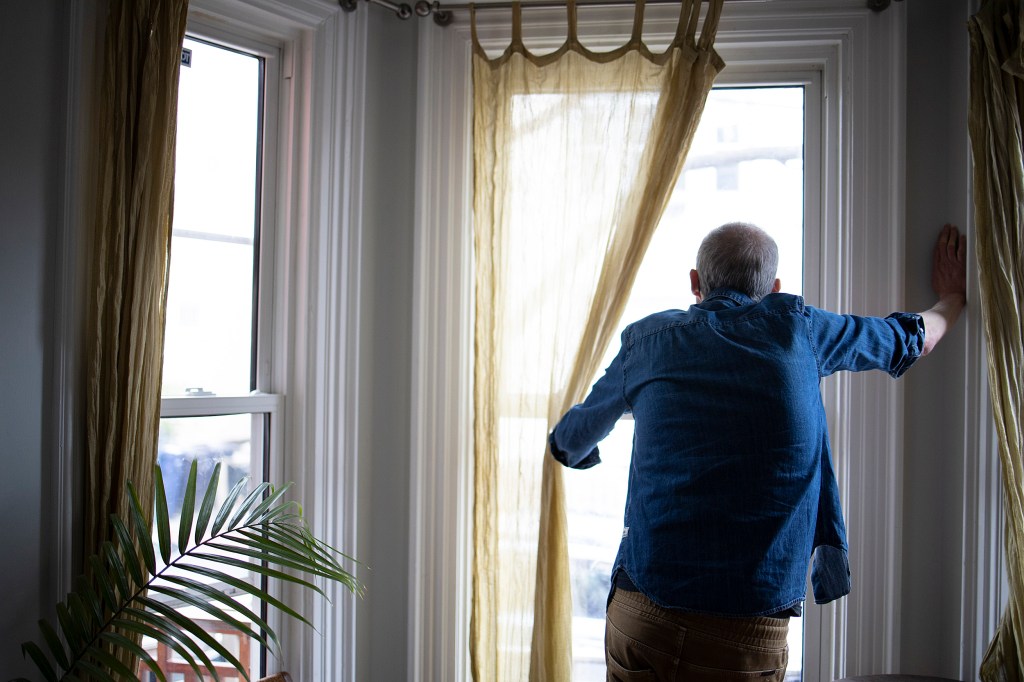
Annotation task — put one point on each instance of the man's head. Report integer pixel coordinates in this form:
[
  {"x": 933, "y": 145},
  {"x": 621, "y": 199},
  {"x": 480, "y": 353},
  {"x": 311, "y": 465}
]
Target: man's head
[{"x": 738, "y": 256}]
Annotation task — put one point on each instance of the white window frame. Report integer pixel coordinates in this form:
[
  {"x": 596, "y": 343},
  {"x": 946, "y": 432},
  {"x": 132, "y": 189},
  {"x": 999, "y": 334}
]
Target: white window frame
[
  {"x": 309, "y": 316},
  {"x": 860, "y": 55},
  {"x": 264, "y": 400}
]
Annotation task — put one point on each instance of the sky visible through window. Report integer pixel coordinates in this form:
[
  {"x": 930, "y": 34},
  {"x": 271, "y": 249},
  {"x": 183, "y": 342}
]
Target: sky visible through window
[
  {"x": 746, "y": 164},
  {"x": 209, "y": 341}
]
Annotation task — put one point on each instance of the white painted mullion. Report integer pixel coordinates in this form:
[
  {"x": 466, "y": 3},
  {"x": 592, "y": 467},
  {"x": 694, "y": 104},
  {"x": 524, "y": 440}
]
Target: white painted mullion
[
  {"x": 823, "y": 632},
  {"x": 296, "y": 299},
  {"x": 219, "y": 405},
  {"x": 346, "y": 276},
  {"x": 335, "y": 94},
  {"x": 442, "y": 362},
  {"x": 892, "y": 61},
  {"x": 868, "y": 450}
]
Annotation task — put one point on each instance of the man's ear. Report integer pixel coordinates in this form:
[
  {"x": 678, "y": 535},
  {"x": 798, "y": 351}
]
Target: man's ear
[
  {"x": 778, "y": 286},
  {"x": 695, "y": 284}
]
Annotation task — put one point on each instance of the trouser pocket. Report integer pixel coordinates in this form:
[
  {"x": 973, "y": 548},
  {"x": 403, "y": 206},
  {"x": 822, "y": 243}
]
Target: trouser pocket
[
  {"x": 619, "y": 673},
  {"x": 640, "y": 646},
  {"x": 714, "y": 658},
  {"x": 696, "y": 673}
]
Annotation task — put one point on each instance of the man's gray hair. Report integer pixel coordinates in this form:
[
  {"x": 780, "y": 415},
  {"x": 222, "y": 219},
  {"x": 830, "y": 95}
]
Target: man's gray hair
[{"x": 740, "y": 256}]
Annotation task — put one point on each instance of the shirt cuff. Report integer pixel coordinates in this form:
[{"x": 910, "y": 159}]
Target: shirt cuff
[
  {"x": 830, "y": 574},
  {"x": 592, "y": 458},
  {"x": 910, "y": 326}
]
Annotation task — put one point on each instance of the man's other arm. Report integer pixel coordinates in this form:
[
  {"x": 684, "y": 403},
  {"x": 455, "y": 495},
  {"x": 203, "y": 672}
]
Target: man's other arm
[
  {"x": 575, "y": 437},
  {"x": 949, "y": 281}
]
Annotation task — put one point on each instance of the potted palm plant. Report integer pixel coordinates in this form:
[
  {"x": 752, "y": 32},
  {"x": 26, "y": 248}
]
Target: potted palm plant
[{"x": 100, "y": 624}]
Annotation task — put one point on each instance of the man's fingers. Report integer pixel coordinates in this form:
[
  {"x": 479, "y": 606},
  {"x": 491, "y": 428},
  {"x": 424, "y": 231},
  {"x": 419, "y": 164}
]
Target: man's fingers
[
  {"x": 952, "y": 242},
  {"x": 950, "y": 233},
  {"x": 948, "y": 261},
  {"x": 939, "y": 253}
]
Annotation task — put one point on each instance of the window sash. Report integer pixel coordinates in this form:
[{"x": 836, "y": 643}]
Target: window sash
[
  {"x": 266, "y": 408},
  {"x": 265, "y": 448}
]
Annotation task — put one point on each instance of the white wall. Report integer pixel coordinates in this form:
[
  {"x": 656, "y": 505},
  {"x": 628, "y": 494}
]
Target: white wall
[
  {"x": 31, "y": 125},
  {"x": 386, "y": 348},
  {"x": 938, "y": 170}
]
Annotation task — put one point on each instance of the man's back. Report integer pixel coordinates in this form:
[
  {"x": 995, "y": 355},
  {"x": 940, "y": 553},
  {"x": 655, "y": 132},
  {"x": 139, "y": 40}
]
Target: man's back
[
  {"x": 728, "y": 445},
  {"x": 731, "y": 452}
]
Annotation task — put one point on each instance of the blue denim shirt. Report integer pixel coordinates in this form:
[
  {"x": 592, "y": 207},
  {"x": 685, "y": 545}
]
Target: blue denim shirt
[{"x": 731, "y": 485}]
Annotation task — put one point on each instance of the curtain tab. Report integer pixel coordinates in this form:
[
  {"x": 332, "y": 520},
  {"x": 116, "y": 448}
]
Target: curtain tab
[
  {"x": 570, "y": 10},
  {"x": 689, "y": 12},
  {"x": 710, "y": 27},
  {"x": 638, "y": 23},
  {"x": 517, "y": 25},
  {"x": 472, "y": 25}
]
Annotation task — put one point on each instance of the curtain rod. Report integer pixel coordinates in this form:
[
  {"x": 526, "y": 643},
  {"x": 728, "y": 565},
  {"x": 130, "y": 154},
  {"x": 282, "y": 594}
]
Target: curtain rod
[{"x": 443, "y": 14}]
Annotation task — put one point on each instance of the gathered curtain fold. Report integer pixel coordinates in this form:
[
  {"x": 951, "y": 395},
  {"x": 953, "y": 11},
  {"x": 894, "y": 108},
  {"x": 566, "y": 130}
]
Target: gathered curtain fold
[
  {"x": 576, "y": 154},
  {"x": 995, "y": 124},
  {"x": 131, "y": 236}
]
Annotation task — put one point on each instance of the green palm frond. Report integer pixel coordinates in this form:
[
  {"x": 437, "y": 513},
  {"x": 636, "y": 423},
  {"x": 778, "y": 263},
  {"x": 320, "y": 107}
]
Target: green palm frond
[{"x": 195, "y": 564}]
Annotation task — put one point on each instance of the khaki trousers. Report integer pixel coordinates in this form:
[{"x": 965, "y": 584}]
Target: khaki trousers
[{"x": 646, "y": 642}]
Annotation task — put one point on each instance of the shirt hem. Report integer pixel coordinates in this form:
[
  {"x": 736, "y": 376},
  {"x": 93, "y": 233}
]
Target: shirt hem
[{"x": 766, "y": 613}]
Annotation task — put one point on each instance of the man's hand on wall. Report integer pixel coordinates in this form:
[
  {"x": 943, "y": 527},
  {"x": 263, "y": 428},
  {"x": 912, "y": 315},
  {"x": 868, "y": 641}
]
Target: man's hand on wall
[
  {"x": 949, "y": 269},
  {"x": 949, "y": 280}
]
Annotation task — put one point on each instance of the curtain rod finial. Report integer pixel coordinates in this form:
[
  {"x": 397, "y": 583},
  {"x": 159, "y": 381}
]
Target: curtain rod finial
[
  {"x": 442, "y": 17},
  {"x": 348, "y": 5}
]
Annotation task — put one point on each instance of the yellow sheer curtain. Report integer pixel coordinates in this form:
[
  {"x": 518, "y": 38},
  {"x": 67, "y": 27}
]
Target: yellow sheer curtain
[
  {"x": 996, "y": 108},
  {"x": 131, "y": 243},
  {"x": 576, "y": 154}
]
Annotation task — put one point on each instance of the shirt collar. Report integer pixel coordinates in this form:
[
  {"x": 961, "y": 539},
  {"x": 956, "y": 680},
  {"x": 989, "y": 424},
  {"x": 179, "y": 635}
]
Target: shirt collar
[{"x": 737, "y": 297}]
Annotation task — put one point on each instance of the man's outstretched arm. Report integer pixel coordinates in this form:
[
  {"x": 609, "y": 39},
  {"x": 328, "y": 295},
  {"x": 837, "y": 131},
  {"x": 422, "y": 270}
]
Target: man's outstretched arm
[{"x": 949, "y": 281}]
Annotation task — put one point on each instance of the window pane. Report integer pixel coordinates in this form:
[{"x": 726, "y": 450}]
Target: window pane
[
  {"x": 209, "y": 336},
  {"x": 746, "y": 164},
  {"x": 223, "y": 439},
  {"x": 228, "y": 440}
]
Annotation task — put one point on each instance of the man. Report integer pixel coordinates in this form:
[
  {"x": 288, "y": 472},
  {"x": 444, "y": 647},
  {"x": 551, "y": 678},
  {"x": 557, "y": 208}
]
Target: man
[{"x": 731, "y": 486}]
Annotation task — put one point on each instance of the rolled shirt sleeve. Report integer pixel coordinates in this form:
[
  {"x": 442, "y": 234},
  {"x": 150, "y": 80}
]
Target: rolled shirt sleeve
[
  {"x": 855, "y": 343},
  {"x": 574, "y": 439}
]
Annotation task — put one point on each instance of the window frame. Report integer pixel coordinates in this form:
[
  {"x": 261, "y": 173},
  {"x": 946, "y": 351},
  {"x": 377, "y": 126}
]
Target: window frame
[
  {"x": 262, "y": 399},
  {"x": 860, "y": 56},
  {"x": 264, "y": 405},
  {"x": 269, "y": 219},
  {"x": 308, "y": 304}
]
